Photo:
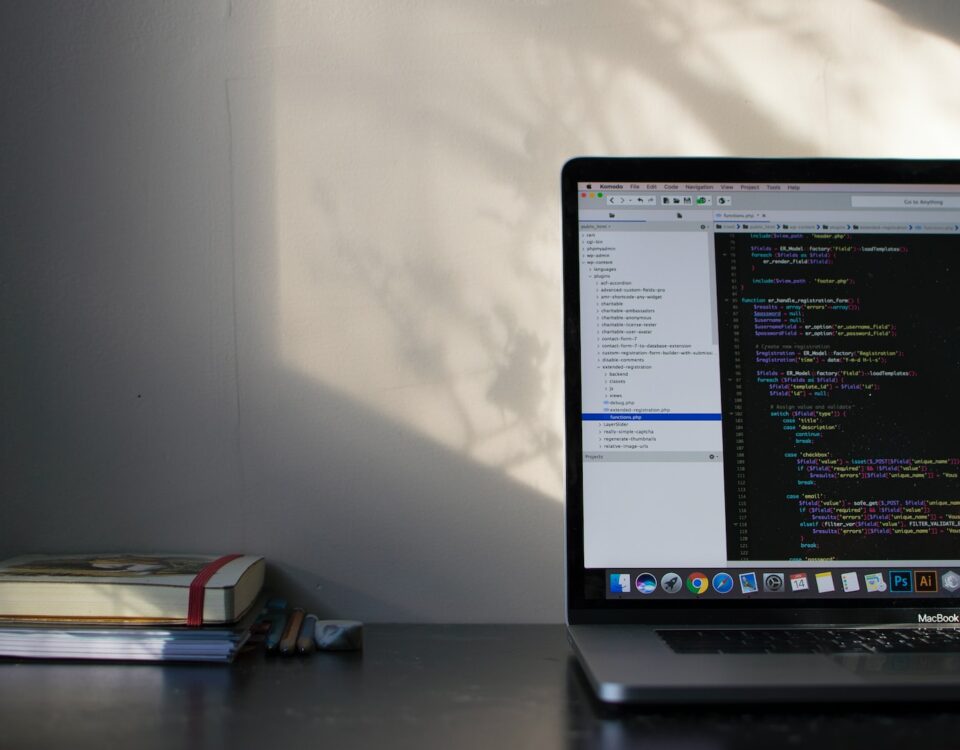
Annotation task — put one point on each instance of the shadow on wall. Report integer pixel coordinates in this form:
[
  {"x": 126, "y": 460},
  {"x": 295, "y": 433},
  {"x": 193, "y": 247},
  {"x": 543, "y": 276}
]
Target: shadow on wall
[
  {"x": 935, "y": 16},
  {"x": 364, "y": 518},
  {"x": 359, "y": 514},
  {"x": 417, "y": 157},
  {"x": 417, "y": 153}
]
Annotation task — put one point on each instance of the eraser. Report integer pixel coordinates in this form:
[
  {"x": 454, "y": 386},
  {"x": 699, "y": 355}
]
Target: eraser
[{"x": 339, "y": 635}]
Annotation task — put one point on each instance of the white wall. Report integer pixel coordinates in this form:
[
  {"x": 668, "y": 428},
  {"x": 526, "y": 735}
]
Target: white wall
[{"x": 284, "y": 278}]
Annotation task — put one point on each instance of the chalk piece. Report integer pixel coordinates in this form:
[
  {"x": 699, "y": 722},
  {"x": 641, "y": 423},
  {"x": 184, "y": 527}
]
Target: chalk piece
[
  {"x": 339, "y": 635},
  {"x": 277, "y": 627}
]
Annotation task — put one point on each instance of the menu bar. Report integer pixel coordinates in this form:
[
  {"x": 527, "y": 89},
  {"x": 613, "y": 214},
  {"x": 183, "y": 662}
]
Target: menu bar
[{"x": 754, "y": 187}]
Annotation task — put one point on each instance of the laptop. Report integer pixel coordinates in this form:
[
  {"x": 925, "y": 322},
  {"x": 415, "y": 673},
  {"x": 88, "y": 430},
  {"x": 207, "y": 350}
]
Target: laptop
[{"x": 762, "y": 384}]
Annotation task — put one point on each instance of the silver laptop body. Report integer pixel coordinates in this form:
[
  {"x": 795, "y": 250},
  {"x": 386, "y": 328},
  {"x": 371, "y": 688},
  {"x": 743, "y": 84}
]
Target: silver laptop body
[{"x": 762, "y": 460}]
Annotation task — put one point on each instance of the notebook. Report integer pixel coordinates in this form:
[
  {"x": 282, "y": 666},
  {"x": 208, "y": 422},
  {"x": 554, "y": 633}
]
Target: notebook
[{"x": 762, "y": 385}]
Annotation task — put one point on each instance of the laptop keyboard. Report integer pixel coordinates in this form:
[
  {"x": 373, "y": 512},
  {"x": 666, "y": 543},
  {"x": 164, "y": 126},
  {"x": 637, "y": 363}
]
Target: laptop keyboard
[{"x": 813, "y": 641}]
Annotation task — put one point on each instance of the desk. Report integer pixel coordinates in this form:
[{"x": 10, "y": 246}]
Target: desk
[{"x": 414, "y": 686}]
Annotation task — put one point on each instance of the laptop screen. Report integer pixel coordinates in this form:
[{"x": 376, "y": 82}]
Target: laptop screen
[{"x": 766, "y": 366}]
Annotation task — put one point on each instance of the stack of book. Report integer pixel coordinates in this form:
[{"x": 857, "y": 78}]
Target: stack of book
[{"x": 128, "y": 607}]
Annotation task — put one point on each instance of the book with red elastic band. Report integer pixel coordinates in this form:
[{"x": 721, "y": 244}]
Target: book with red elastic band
[{"x": 129, "y": 588}]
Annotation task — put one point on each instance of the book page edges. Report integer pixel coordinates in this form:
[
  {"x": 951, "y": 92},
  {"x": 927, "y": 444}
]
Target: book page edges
[{"x": 132, "y": 601}]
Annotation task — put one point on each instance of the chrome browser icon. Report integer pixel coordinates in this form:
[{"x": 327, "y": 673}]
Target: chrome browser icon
[{"x": 697, "y": 583}]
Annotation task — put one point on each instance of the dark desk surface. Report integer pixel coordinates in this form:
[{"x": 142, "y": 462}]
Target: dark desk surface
[{"x": 451, "y": 687}]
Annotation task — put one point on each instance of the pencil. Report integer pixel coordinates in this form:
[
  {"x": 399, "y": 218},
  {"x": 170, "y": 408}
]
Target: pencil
[{"x": 289, "y": 640}]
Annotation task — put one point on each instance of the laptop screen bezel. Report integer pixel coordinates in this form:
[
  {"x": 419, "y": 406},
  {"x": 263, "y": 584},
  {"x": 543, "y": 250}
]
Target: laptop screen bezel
[{"x": 597, "y": 609}]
